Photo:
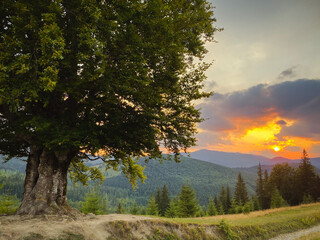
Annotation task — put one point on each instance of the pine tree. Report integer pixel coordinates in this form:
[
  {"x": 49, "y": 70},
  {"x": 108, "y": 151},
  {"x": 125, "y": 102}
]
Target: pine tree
[
  {"x": 134, "y": 210},
  {"x": 211, "y": 211},
  {"x": 223, "y": 199},
  {"x": 158, "y": 197},
  {"x": 93, "y": 203},
  {"x": 228, "y": 200},
  {"x": 240, "y": 193},
  {"x": 187, "y": 202},
  {"x": 306, "y": 177},
  {"x": 216, "y": 202},
  {"x": 277, "y": 200},
  {"x": 234, "y": 209},
  {"x": 164, "y": 200},
  {"x": 173, "y": 209},
  {"x": 120, "y": 209},
  {"x": 152, "y": 208},
  {"x": 260, "y": 187},
  {"x": 8, "y": 204}
]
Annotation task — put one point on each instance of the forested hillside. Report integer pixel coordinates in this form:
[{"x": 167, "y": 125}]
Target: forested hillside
[{"x": 206, "y": 178}]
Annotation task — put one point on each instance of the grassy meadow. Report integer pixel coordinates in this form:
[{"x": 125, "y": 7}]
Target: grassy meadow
[{"x": 261, "y": 224}]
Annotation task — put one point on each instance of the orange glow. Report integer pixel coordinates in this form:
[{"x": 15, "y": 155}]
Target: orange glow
[
  {"x": 276, "y": 148},
  {"x": 261, "y": 136}
]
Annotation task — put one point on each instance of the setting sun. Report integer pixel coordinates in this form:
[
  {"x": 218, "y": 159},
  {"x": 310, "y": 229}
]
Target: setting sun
[{"x": 276, "y": 149}]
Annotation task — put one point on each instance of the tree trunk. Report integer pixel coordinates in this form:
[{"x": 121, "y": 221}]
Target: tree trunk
[{"x": 45, "y": 187}]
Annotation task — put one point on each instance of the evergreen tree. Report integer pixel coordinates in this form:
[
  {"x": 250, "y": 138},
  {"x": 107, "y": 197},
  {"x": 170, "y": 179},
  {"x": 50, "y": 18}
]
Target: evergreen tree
[
  {"x": 120, "y": 209},
  {"x": 260, "y": 188},
  {"x": 216, "y": 202},
  {"x": 277, "y": 200},
  {"x": 93, "y": 203},
  {"x": 187, "y": 202},
  {"x": 8, "y": 204},
  {"x": 240, "y": 193},
  {"x": 306, "y": 177},
  {"x": 211, "y": 211},
  {"x": 164, "y": 200},
  {"x": 256, "y": 203},
  {"x": 235, "y": 207},
  {"x": 228, "y": 200},
  {"x": 223, "y": 199},
  {"x": 158, "y": 197},
  {"x": 173, "y": 209},
  {"x": 134, "y": 210},
  {"x": 152, "y": 208}
]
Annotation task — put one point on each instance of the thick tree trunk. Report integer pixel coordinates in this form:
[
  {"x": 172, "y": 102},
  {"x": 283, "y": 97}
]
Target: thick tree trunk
[{"x": 45, "y": 187}]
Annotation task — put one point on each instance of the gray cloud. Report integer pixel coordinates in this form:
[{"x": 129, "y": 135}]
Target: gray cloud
[
  {"x": 281, "y": 122},
  {"x": 295, "y": 100},
  {"x": 290, "y": 72}
]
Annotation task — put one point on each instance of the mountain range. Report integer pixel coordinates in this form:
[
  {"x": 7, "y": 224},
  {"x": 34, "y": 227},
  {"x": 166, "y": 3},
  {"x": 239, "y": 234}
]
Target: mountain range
[{"x": 241, "y": 160}]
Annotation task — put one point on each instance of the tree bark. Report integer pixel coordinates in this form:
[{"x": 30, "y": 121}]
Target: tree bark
[{"x": 45, "y": 187}]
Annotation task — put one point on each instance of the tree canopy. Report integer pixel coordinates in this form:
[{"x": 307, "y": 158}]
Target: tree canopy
[{"x": 117, "y": 78}]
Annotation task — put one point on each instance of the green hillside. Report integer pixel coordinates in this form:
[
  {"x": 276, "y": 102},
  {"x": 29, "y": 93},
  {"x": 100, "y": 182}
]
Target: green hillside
[{"x": 206, "y": 178}]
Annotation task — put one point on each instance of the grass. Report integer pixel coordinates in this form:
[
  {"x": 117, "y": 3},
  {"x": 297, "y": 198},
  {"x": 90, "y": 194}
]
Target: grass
[
  {"x": 311, "y": 236},
  {"x": 261, "y": 224},
  {"x": 279, "y": 215}
]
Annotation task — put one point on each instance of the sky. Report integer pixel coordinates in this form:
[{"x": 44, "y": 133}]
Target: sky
[{"x": 265, "y": 77}]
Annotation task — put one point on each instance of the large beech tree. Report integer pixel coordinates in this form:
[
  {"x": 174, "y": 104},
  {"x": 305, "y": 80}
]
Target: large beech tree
[{"x": 86, "y": 77}]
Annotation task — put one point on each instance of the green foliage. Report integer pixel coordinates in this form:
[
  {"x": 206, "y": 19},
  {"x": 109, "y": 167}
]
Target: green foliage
[
  {"x": 187, "y": 202},
  {"x": 152, "y": 208},
  {"x": 240, "y": 193},
  {"x": 173, "y": 209},
  {"x": 134, "y": 210},
  {"x": 211, "y": 210},
  {"x": 277, "y": 200},
  {"x": 120, "y": 209},
  {"x": 94, "y": 203},
  {"x": 225, "y": 228},
  {"x": 164, "y": 200},
  {"x": 117, "y": 78},
  {"x": 8, "y": 204}
]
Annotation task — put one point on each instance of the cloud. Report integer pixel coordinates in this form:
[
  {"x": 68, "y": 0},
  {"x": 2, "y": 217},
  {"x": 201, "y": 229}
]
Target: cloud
[
  {"x": 282, "y": 122},
  {"x": 293, "y": 106},
  {"x": 290, "y": 72}
]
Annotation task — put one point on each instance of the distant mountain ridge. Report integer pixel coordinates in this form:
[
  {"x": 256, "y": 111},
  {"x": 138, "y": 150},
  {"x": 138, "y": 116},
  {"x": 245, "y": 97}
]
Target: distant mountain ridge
[{"x": 241, "y": 160}]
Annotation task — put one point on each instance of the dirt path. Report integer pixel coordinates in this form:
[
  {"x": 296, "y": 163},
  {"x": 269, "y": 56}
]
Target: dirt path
[
  {"x": 298, "y": 234},
  {"x": 90, "y": 226}
]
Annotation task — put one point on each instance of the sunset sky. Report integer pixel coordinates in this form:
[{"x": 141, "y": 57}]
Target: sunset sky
[{"x": 266, "y": 79}]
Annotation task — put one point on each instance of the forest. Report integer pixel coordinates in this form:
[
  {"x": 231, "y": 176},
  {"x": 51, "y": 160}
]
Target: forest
[{"x": 284, "y": 186}]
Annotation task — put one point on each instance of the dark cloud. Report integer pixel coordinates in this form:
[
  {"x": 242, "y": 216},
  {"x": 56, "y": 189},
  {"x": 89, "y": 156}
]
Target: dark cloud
[
  {"x": 290, "y": 72},
  {"x": 295, "y": 100},
  {"x": 281, "y": 122}
]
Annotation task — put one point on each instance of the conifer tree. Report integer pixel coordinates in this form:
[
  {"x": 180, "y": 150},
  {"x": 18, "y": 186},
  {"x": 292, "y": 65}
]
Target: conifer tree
[
  {"x": 223, "y": 199},
  {"x": 307, "y": 177},
  {"x": 152, "y": 208},
  {"x": 158, "y": 197},
  {"x": 120, "y": 209},
  {"x": 216, "y": 202},
  {"x": 234, "y": 209},
  {"x": 188, "y": 204},
  {"x": 260, "y": 187},
  {"x": 240, "y": 193},
  {"x": 173, "y": 209},
  {"x": 228, "y": 199},
  {"x": 277, "y": 200},
  {"x": 134, "y": 210},
  {"x": 93, "y": 203},
  {"x": 211, "y": 211},
  {"x": 164, "y": 200}
]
